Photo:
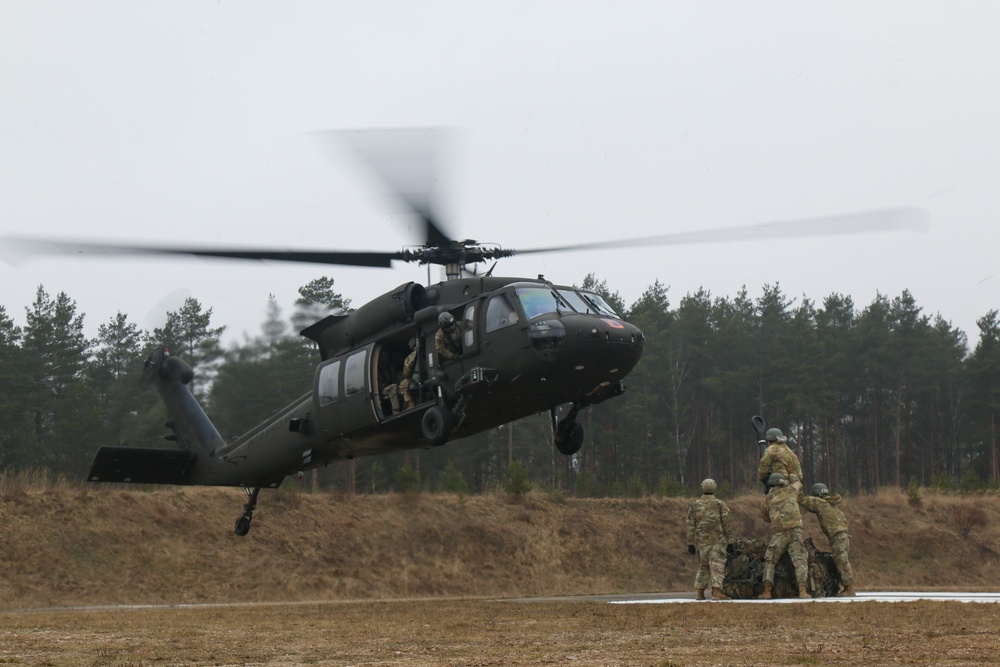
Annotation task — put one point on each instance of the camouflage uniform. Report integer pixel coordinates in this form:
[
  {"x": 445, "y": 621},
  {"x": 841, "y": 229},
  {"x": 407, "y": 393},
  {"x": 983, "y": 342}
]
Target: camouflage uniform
[
  {"x": 408, "y": 377},
  {"x": 834, "y": 525},
  {"x": 779, "y": 458},
  {"x": 449, "y": 342},
  {"x": 392, "y": 392},
  {"x": 781, "y": 510},
  {"x": 710, "y": 529}
]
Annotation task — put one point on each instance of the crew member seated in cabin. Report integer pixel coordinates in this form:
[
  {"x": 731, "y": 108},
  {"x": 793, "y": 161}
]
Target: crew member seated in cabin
[
  {"x": 389, "y": 391},
  {"x": 411, "y": 377},
  {"x": 448, "y": 339}
]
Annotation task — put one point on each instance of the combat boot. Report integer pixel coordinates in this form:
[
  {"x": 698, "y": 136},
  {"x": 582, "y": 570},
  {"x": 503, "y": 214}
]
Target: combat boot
[
  {"x": 803, "y": 593},
  {"x": 717, "y": 594},
  {"x": 848, "y": 591},
  {"x": 766, "y": 595},
  {"x": 699, "y": 594}
]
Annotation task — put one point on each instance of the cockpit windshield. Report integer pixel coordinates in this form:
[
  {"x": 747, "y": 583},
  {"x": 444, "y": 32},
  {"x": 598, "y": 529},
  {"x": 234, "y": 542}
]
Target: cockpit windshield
[
  {"x": 540, "y": 301},
  {"x": 543, "y": 300},
  {"x": 602, "y": 306},
  {"x": 579, "y": 304}
]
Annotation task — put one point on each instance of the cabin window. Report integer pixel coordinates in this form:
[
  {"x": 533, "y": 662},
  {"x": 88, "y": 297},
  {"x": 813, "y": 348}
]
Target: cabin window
[
  {"x": 540, "y": 301},
  {"x": 500, "y": 313},
  {"x": 469, "y": 335},
  {"x": 329, "y": 377},
  {"x": 354, "y": 373}
]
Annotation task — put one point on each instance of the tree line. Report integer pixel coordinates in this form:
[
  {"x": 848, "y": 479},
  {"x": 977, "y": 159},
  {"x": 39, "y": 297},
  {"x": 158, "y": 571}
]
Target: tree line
[{"x": 871, "y": 396}]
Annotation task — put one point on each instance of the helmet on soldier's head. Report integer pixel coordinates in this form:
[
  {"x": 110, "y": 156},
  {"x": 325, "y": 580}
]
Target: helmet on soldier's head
[
  {"x": 773, "y": 434},
  {"x": 446, "y": 320},
  {"x": 775, "y": 479},
  {"x": 819, "y": 489},
  {"x": 708, "y": 486}
]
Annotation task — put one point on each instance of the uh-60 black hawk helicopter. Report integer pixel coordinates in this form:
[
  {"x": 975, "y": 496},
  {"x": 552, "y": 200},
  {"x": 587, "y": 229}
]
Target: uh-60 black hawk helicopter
[{"x": 524, "y": 346}]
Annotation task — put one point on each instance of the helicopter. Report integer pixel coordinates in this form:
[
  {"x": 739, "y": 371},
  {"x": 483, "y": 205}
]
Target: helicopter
[{"x": 387, "y": 378}]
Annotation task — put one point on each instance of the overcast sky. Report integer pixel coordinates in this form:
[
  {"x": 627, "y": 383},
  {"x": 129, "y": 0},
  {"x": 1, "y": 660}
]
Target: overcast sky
[{"x": 192, "y": 122}]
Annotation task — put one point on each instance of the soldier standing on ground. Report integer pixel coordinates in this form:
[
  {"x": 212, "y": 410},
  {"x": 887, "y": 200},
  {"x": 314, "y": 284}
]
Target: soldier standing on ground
[
  {"x": 834, "y": 524},
  {"x": 710, "y": 535},
  {"x": 781, "y": 510},
  {"x": 778, "y": 458}
]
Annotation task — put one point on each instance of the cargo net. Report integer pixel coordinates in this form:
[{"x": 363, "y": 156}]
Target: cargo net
[{"x": 745, "y": 572}]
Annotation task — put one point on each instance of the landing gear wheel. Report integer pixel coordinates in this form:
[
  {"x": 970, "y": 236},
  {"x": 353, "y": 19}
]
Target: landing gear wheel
[
  {"x": 569, "y": 438},
  {"x": 437, "y": 425}
]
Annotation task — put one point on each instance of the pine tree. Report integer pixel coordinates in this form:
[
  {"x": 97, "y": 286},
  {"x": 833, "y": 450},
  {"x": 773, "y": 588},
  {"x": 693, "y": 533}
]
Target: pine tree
[
  {"x": 115, "y": 375},
  {"x": 263, "y": 375},
  {"x": 56, "y": 352},
  {"x": 15, "y": 402},
  {"x": 984, "y": 379},
  {"x": 316, "y": 300}
]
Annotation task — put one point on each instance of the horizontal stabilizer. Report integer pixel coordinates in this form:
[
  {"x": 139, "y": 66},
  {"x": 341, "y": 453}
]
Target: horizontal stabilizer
[{"x": 141, "y": 465}]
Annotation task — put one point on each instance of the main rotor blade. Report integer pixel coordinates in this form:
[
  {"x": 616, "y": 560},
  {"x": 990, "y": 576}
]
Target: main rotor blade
[
  {"x": 33, "y": 246},
  {"x": 887, "y": 220},
  {"x": 407, "y": 160}
]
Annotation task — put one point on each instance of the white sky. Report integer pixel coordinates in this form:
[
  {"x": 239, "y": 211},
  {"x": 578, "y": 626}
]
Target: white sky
[{"x": 189, "y": 122}]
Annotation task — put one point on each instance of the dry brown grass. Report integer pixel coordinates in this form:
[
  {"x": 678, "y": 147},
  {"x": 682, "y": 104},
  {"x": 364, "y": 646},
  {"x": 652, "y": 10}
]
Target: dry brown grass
[{"x": 71, "y": 544}]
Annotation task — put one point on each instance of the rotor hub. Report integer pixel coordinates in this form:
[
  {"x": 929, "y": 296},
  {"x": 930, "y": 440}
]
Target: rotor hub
[{"x": 457, "y": 253}]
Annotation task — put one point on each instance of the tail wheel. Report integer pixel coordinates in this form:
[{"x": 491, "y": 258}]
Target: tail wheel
[
  {"x": 437, "y": 425},
  {"x": 569, "y": 438},
  {"x": 243, "y": 525}
]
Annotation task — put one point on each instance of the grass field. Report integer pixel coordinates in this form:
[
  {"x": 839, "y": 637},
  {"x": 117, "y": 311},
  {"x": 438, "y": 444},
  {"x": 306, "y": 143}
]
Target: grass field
[{"x": 328, "y": 579}]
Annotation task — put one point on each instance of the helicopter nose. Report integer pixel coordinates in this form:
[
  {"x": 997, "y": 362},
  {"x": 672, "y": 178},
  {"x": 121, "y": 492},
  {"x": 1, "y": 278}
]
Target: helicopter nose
[
  {"x": 589, "y": 343},
  {"x": 620, "y": 344},
  {"x": 616, "y": 332}
]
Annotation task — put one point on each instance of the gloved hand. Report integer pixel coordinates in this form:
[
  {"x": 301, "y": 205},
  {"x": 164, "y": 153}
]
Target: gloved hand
[
  {"x": 691, "y": 549},
  {"x": 730, "y": 549}
]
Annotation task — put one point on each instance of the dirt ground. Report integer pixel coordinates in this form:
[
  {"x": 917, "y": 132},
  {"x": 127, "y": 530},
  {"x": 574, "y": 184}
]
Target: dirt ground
[{"x": 479, "y": 632}]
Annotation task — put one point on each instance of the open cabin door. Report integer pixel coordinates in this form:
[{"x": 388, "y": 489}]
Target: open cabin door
[{"x": 399, "y": 374}]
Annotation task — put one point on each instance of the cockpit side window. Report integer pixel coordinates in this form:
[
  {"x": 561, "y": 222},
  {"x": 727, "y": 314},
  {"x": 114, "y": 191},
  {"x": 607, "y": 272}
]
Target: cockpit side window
[
  {"x": 469, "y": 326},
  {"x": 500, "y": 313},
  {"x": 540, "y": 301}
]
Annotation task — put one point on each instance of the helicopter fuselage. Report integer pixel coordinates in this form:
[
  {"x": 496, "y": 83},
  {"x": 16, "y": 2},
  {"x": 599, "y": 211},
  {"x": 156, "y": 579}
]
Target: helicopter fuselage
[{"x": 528, "y": 346}]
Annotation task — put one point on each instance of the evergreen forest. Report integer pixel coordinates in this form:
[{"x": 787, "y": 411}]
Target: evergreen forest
[{"x": 872, "y": 395}]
